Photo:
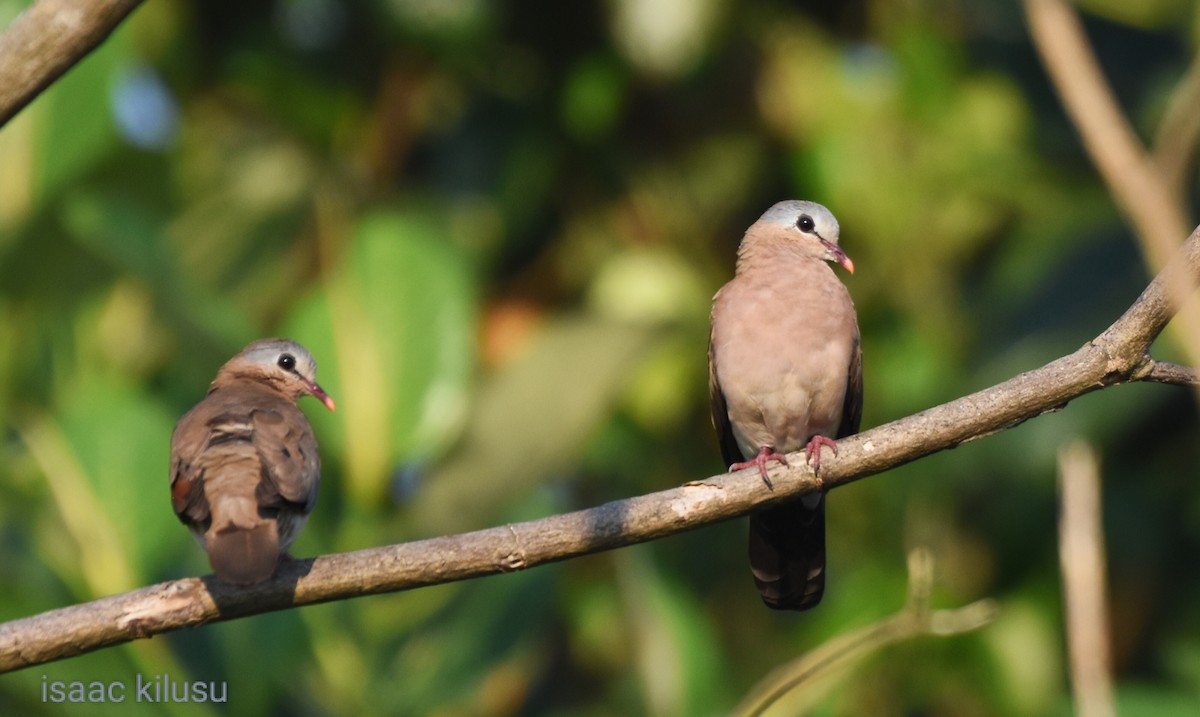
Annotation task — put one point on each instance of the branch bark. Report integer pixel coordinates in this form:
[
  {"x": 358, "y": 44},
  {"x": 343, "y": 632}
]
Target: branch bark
[
  {"x": 46, "y": 40},
  {"x": 1119, "y": 355}
]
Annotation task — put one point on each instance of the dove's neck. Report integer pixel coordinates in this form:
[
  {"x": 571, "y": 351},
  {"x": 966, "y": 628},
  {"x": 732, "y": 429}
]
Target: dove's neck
[
  {"x": 763, "y": 249},
  {"x": 250, "y": 378}
]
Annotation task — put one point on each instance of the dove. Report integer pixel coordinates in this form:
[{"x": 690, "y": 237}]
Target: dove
[
  {"x": 785, "y": 374},
  {"x": 244, "y": 463}
]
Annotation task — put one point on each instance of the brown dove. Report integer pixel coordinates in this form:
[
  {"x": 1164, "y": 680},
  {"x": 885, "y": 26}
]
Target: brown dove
[
  {"x": 244, "y": 463},
  {"x": 785, "y": 373}
]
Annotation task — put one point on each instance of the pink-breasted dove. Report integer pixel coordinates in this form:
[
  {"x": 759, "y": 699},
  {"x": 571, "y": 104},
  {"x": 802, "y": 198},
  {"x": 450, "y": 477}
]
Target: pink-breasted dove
[
  {"x": 244, "y": 463},
  {"x": 785, "y": 373}
]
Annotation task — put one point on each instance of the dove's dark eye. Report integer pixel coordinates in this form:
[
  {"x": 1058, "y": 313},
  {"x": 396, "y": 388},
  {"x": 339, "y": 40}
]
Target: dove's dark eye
[
  {"x": 287, "y": 362},
  {"x": 805, "y": 223}
]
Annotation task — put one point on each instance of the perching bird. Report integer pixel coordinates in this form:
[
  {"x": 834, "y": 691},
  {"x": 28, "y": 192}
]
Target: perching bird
[
  {"x": 244, "y": 463},
  {"x": 785, "y": 373}
]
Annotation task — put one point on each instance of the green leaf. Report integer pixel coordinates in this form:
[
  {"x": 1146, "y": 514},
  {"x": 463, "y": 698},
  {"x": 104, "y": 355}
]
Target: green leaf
[
  {"x": 531, "y": 419},
  {"x": 393, "y": 331},
  {"x": 122, "y": 441}
]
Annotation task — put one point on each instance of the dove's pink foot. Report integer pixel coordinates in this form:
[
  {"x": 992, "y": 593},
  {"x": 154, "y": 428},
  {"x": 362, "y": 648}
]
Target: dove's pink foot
[
  {"x": 813, "y": 450},
  {"x": 766, "y": 453}
]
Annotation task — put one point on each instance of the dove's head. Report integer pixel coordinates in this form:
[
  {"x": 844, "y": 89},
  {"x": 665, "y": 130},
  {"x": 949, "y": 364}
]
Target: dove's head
[
  {"x": 285, "y": 365},
  {"x": 808, "y": 226}
]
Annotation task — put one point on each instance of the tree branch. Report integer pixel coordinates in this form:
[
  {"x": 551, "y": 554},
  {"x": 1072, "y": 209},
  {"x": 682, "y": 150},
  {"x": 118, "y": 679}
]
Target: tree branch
[
  {"x": 46, "y": 40},
  {"x": 1119, "y": 355}
]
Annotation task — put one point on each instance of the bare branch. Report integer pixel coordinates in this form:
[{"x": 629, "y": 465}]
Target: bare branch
[
  {"x": 1132, "y": 178},
  {"x": 1116, "y": 356},
  {"x": 46, "y": 40}
]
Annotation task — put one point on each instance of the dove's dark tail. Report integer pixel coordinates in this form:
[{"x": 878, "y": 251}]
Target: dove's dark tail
[
  {"x": 787, "y": 553},
  {"x": 244, "y": 556}
]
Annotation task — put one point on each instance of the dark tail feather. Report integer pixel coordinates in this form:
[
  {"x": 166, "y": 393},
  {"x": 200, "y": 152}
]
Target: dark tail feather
[
  {"x": 787, "y": 553},
  {"x": 244, "y": 557}
]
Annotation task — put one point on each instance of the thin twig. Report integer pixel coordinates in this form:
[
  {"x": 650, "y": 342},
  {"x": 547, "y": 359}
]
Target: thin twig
[
  {"x": 1081, "y": 554},
  {"x": 1170, "y": 373},
  {"x": 914, "y": 619}
]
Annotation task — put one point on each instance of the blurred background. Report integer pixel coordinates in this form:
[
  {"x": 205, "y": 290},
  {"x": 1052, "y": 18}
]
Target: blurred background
[{"x": 498, "y": 227}]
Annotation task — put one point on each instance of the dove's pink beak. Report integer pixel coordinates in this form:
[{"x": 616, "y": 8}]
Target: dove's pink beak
[
  {"x": 836, "y": 254},
  {"x": 319, "y": 394}
]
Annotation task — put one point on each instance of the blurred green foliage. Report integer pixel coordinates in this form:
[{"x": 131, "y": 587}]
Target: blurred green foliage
[{"x": 498, "y": 227}]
